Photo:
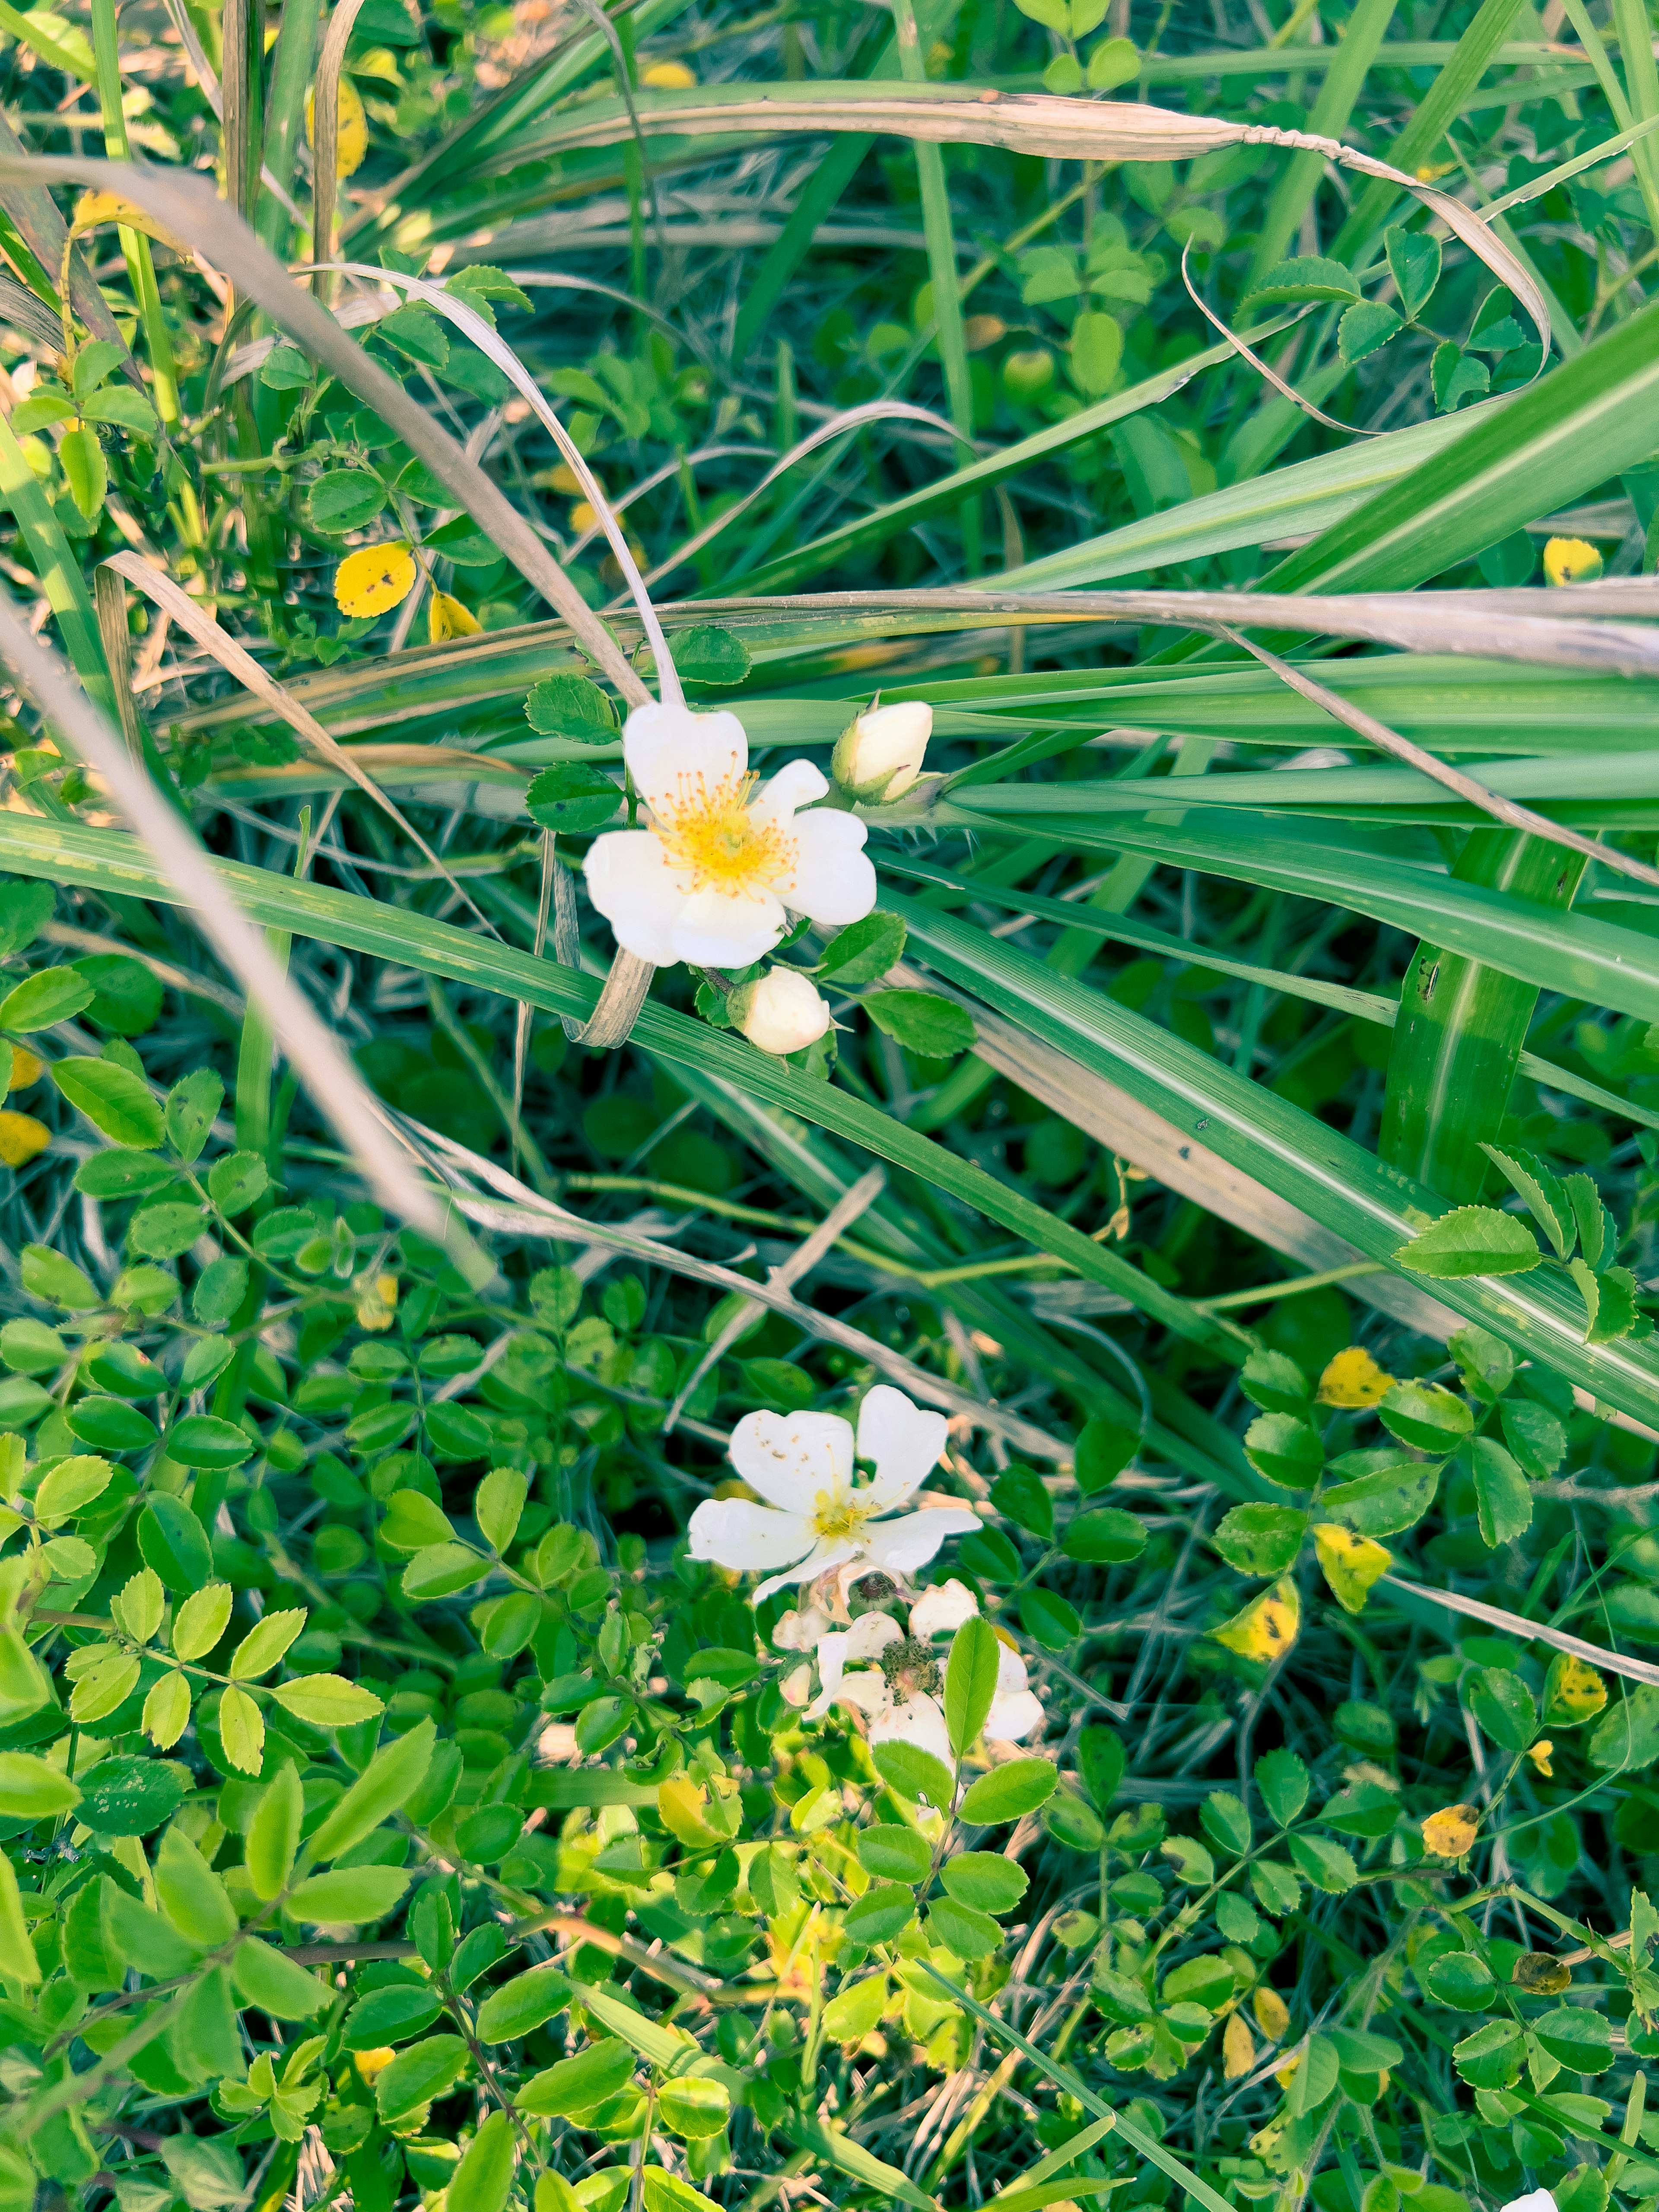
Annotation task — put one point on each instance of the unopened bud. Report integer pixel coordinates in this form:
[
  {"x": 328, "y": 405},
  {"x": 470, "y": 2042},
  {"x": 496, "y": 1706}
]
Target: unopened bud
[
  {"x": 783, "y": 1013},
  {"x": 880, "y": 754}
]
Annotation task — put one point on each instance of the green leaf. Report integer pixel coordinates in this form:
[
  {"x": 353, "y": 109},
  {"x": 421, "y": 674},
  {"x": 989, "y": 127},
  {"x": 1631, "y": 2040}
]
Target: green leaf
[
  {"x": 499, "y": 1505},
  {"x": 578, "y": 2085},
  {"x": 1491, "y": 2056},
  {"x": 389, "y": 2015},
  {"x": 175, "y": 1545},
  {"x": 56, "y": 1281},
  {"x": 1304, "y": 277},
  {"x": 1472, "y": 1240},
  {"x": 1503, "y": 1706},
  {"x": 386, "y": 1783},
  {"x": 350, "y": 1895},
  {"x": 1541, "y": 1192},
  {"x": 31, "y": 1789},
  {"x": 203, "y": 1440},
  {"x": 273, "y": 1837},
  {"x": 1414, "y": 262},
  {"x": 922, "y": 1022},
  {"x": 1007, "y": 1793},
  {"x": 893, "y": 1853},
  {"x": 484, "y": 2176},
  {"x": 970, "y": 1683},
  {"x": 916, "y": 1774},
  {"x": 572, "y": 796},
  {"x": 275, "y": 1984},
  {"x": 1380, "y": 1492},
  {"x": 1105, "y": 1449},
  {"x": 66, "y": 1488},
  {"x": 264, "y": 1645},
  {"x": 1274, "y": 1383},
  {"x": 327, "y": 1700},
  {"x": 192, "y": 1895},
  {"x": 864, "y": 951},
  {"x": 1282, "y": 1780},
  {"x": 1260, "y": 1540},
  {"x": 1018, "y": 1494},
  {"x": 1285, "y": 1450},
  {"x": 344, "y": 499},
  {"x": 135, "y": 1936},
  {"x": 441, "y": 1570},
  {"x": 112, "y": 1099},
  {"x": 235, "y": 1181},
  {"x": 1365, "y": 329},
  {"x": 985, "y": 1881},
  {"x": 1579, "y": 2037},
  {"x": 1426, "y": 1416},
  {"x": 521, "y": 2005},
  {"x": 708, "y": 654},
  {"x": 1051, "y": 1621},
  {"x": 1326, "y": 1865},
  {"x": 192, "y": 1105},
  {"x": 961, "y": 1929},
  {"x": 418, "y": 2074},
  {"x": 202, "y": 1619},
  {"x": 50, "y": 994},
  {"x": 1503, "y": 1501},
  {"x": 572, "y": 708},
  {"x": 1106, "y": 1537}
]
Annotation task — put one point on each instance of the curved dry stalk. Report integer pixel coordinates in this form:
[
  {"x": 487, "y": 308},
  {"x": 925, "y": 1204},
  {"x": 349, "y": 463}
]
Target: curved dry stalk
[
  {"x": 191, "y": 614},
  {"x": 1248, "y": 353},
  {"x": 188, "y": 204},
  {"x": 1050, "y": 124},
  {"x": 336, "y": 1088},
  {"x": 326, "y": 143},
  {"x": 1467, "y": 788}
]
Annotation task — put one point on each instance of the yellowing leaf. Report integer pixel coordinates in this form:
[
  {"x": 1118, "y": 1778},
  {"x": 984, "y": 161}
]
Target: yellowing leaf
[
  {"x": 1267, "y": 1628},
  {"x": 1450, "y": 1832},
  {"x": 371, "y": 2063},
  {"x": 1354, "y": 1379},
  {"x": 375, "y": 579},
  {"x": 25, "y": 1069},
  {"x": 1539, "y": 1753},
  {"x": 1350, "y": 1563},
  {"x": 21, "y": 1138},
  {"x": 668, "y": 76},
  {"x": 93, "y": 210},
  {"x": 350, "y": 128},
  {"x": 446, "y": 617},
  {"x": 679, "y": 1805},
  {"x": 1237, "y": 2047},
  {"x": 1573, "y": 1692},
  {"x": 1570, "y": 560},
  {"x": 1272, "y": 2014}
]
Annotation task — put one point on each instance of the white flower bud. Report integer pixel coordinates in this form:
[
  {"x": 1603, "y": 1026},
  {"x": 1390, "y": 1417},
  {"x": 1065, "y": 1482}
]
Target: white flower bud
[
  {"x": 783, "y": 1013},
  {"x": 880, "y": 754}
]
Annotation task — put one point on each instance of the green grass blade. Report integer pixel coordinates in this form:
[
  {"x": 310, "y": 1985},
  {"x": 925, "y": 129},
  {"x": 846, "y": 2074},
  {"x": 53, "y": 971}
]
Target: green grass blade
[
  {"x": 1344, "y": 79},
  {"x": 59, "y": 571}
]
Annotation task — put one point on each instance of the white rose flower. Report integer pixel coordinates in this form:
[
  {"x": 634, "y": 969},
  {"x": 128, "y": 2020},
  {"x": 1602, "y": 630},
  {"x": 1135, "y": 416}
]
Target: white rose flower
[
  {"x": 783, "y": 1013},
  {"x": 802, "y": 1631},
  {"x": 945, "y": 1607},
  {"x": 815, "y": 1518},
  {"x": 880, "y": 754},
  {"x": 896, "y": 1681},
  {"x": 712, "y": 876},
  {"x": 1536, "y": 2200},
  {"x": 1016, "y": 1710}
]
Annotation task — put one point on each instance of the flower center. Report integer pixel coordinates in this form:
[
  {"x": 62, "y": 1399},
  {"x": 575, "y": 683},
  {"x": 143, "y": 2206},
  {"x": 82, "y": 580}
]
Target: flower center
[
  {"x": 707, "y": 833},
  {"x": 838, "y": 1513},
  {"x": 911, "y": 1670}
]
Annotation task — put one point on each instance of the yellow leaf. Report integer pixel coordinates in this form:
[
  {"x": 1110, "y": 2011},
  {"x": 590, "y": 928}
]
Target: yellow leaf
[
  {"x": 679, "y": 1804},
  {"x": 1573, "y": 1692},
  {"x": 21, "y": 1138},
  {"x": 1539, "y": 1753},
  {"x": 1350, "y": 1563},
  {"x": 350, "y": 128},
  {"x": 1237, "y": 2047},
  {"x": 1570, "y": 560},
  {"x": 583, "y": 516},
  {"x": 446, "y": 617},
  {"x": 1450, "y": 1832},
  {"x": 25, "y": 1069},
  {"x": 375, "y": 579},
  {"x": 93, "y": 209},
  {"x": 1353, "y": 1378},
  {"x": 1272, "y": 2014},
  {"x": 668, "y": 76},
  {"x": 371, "y": 2063},
  {"x": 1267, "y": 1627}
]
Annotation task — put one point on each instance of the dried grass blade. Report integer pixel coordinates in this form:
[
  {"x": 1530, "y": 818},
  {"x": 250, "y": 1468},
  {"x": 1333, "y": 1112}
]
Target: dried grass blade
[
  {"x": 325, "y": 147},
  {"x": 1531, "y": 1631},
  {"x": 1430, "y": 764}
]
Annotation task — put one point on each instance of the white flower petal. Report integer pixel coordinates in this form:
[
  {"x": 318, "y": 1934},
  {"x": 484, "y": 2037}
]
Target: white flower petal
[
  {"x": 718, "y": 929},
  {"x": 946, "y": 1605},
  {"x": 867, "y": 1690},
  {"x": 734, "y": 1532},
  {"x": 1536, "y": 2200},
  {"x": 1010, "y": 1720},
  {"x": 669, "y": 750},
  {"x": 872, "y": 1633},
  {"x": 832, "y": 1659},
  {"x": 901, "y": 1442},
  {"x": 902, "y": 1546},
  {"x": 796, "y": 784},
  {"x": 1012, "y": 1677},
  {"x": 827, "y": 1555},
  {"x": 630, "y": 882},
  {"x": 795, "y": 1688},
  {"x": 790, "y": 1457},
  {"x": 832, "y": 880},
  {"x": 801, "y": 1631},
  {"x": 918, "y": 1721}
]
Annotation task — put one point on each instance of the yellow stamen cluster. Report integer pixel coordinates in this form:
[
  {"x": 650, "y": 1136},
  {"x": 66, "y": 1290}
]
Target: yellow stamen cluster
[
  {"x": 708, "y": 832},
  {"x": 837, "y": 1513}
]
